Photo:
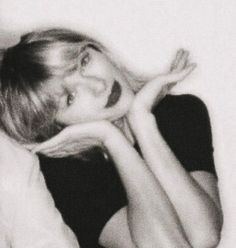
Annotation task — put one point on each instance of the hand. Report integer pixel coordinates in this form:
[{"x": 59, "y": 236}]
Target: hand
[
  {"x": 76, "y": 138},
  {"x": 180, "y": 61},
  {"x": 156, "y": 89}
]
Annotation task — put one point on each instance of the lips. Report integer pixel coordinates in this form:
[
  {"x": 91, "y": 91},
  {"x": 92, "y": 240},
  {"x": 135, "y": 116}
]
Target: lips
[{"x": 114, "y": 95}]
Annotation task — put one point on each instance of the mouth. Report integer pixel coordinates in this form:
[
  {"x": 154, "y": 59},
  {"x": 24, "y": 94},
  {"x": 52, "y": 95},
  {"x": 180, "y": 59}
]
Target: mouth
[{"x": 114, "y": 95}]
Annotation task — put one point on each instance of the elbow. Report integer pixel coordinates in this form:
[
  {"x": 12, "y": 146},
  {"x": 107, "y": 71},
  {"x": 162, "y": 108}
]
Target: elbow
[
  {"x": 206, "y": 232},
  {"x": 161, "y": 236},
  {"x": 206, "y": 239}
]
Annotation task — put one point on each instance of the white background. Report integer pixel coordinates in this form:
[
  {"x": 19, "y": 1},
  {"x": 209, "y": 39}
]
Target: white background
[{"x": 145, "y": 35}]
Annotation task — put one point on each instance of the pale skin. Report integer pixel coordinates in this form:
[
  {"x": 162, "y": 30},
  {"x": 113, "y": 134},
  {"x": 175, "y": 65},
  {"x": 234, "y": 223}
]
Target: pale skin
[{"x": 155, "y": 215}]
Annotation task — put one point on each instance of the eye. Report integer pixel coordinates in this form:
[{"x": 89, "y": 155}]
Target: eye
[
  {"x": 85, "y": 59},
  {"x": 70, "y": 99}
]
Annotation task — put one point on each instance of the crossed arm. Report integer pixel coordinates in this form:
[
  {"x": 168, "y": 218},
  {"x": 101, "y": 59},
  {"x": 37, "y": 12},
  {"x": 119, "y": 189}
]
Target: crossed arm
[
  {"x": 192, "y": 218},
  {"x": 193, "y": 195},
  {"x": 156, "y": 214}
]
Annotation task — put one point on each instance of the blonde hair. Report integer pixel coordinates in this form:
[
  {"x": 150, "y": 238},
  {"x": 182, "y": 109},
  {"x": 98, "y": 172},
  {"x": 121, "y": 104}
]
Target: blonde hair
[{"x": 27, "y": 113}]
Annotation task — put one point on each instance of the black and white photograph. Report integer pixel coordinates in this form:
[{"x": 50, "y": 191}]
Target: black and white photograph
[{"x": 117, "y": 124}]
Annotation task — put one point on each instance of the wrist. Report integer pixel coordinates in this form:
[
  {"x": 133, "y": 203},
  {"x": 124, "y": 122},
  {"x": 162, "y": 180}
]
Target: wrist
[
  {"x": 113, "y": 137},
  {"x": 140, "y": 119}
]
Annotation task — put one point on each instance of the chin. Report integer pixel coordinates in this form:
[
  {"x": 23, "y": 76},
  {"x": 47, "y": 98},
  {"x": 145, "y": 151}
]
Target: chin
[{"x": 119, "y": 110}]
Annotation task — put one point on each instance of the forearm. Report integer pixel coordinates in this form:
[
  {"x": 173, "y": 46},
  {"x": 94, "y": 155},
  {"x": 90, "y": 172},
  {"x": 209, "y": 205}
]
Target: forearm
[
  {"x": 176, "y": 181},
  {"x": 152, "y": 219}
]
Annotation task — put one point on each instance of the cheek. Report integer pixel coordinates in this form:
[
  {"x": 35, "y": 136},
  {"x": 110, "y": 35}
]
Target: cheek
[
  {"x": 99, "y": 68},
  {"x": 81, "y": 111}
]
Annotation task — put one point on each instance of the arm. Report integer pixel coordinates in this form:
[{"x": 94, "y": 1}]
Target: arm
[
  {"x": 178, "y": 182},
  {"x": 151, "y": 218},
  {"x": 198, "y": 188},
  {"x": 28, "y": 216}
]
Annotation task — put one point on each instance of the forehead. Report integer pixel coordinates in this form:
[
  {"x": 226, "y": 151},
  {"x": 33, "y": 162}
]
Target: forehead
[
  {"x": 62, "y": 53},
  {"x": 54, "y": 88},
  {"x": 63, "y": 61},
  {"x": 61, "y": 56}
]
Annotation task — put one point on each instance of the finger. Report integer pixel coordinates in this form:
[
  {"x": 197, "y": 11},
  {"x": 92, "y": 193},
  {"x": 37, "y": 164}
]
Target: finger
[
  {"x": 50, "y": 144},
  {"x": 55, "y": 154},
  {"x": 44, "y": 151},
  {"x": 183, "y": 61},
  {"x": 151, "y": 91},
  {"x": 61, "y": 152},
  {"x": 30, "y": 146},
  {"x": 46, "y": 147},
  {"x": 181, "y": 75},
  {"x": 176, "y": 60}
]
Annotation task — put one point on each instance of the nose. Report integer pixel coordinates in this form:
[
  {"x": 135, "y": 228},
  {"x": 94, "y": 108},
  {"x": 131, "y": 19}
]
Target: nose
[{"x": 95, "y": 86}]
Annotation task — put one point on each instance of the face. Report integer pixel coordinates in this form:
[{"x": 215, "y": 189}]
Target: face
[{"x": 94, "y": 89}]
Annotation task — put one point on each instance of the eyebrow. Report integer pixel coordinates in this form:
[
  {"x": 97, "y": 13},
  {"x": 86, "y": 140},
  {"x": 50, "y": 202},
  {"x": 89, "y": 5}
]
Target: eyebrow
[
  {"x": 71, "y": 69},
  {"x": 90, "y": 45}
]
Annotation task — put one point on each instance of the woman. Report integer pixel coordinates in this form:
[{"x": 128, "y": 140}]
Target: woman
[{"x": 59, "y": 81}]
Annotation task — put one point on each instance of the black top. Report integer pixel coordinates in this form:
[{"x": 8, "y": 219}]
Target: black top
[{"x": 89, "y": 192}]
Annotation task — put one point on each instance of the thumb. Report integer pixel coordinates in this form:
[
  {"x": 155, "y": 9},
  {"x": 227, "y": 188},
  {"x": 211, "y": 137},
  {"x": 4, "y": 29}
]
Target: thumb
[{"x": 30, "y": 146}]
